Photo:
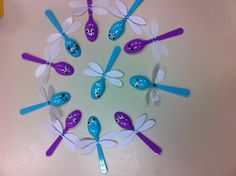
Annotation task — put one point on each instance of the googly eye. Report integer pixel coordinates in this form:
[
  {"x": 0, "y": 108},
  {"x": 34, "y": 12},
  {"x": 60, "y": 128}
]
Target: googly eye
[
  {"x": 69, "y": 116},
  {"x": 136, "y": 84},
  {"x": 137, "y": 79},
  {"x": 93, "y": 31},
  {"x": 87, "y": 30},
  {"x": 63, "y": 95},
  {"x": 75, "y": 120},
  {"x": 93, "y": 119},
  {"x": 89, "y": 123},
  {"x": 113, "y": 38},
  {"x": 109, "y": 35},
  {"x": 117, "y": 120}
]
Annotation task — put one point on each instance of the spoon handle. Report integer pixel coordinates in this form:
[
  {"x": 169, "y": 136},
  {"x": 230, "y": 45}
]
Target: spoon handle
[
  {"x": 53, "y": 20},
  {"x": 150, "y": 144},
  {"x": 113, "y": 58},
  {"x": 102, "y": 162},
  {"x": 29, "y": 109},
  {"x": 134, "y": 7},
  {"x": 53, "y": 147},
  {"x": 32, "y": 58},
  {"x": 170, "y": 34},
  {"x": 175, "y": 90}
]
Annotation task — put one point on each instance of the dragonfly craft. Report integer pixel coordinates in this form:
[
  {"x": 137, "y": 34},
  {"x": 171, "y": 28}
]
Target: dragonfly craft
[
  {"x": 88, "y": 145},
  {"x": 158, "y": 75},
  {"x": 71, "y": 140},
  {"x": 71, "y": 45},
  {"x": 52, "y": 100},
  {"x": 158, "y": 48},
  {"x": 43, "y": 70},
  {"x": 117, "y": 29},
  {"x": 141, "y": 125},
  {"x": 79, "y": 8},
  {"x": 112, "y": 76}
]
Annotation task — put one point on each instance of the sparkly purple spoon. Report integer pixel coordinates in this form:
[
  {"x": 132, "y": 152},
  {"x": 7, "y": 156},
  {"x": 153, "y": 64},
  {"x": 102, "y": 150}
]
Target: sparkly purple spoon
[
  {"x": 62, "y": 68},
  {"x": 91, "y": 28},
  {"x": 71, "y": 121},
  {"x": 124, "y": 121},
  {"x": 137, "y": 45}
]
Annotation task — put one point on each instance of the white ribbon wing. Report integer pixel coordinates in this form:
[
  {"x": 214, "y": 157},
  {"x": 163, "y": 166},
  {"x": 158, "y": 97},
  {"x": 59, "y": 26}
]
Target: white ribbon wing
[
  {"x": 128, "y": 140},
  {"x": 154, "y": 28},
  {"x": 115, "y": 74},
  {"x": 43, "y": 94},
  {"x": 66, "y": 24},
  {"x": 85, "y": 142},
  {"x": 122, "y": 7},
  {"x": 71, "y": 141},
  {"x": 55, "y": 128},
  {"x": 91, "y": 73},
  {"x": 140, "y": 121},
  {"x": 99, "y": 11},
  {"x": 137, "y": 20},
  {"x": 115, "y": 81},
  {"x": 161, "y": 74},
  {"x": 53, "y": 37},
  {"x": 77, "y": 4},
  {"x": 40, "y": 70},
  {"x": 156, "y": 97},
  {"x": 89, "y": 148},
  {"x": 135, "y": 27},
  {"x": 125, "y": 133},
  {"x": 54, "y": 113},
  {"x": 108, "y": 143},
  {"x": 147, "y": 125},
  {"x": 45, "y": 75},
  {"x": 112, "y": 135},
  {"x": 102, "y": 3},
  {"x": 96, "y": 67},
  {"x": 74, "y": 27},
  {"x": 115, "y": 11},
  {"x": 155, "y": 52},
  {"x": 79, "y": 11}
]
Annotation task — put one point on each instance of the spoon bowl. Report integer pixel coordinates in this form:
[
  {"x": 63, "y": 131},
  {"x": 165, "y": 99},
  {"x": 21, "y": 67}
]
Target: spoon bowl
[
  {"x": 63, "y": 68},
  {"x": 60, "y": 98},
  {"x": 140, "y": 82},
  {"x": 123, "y": 120},
  {"x": 117, "y": 29},
  {"x": 91, "y": 30},
  {"x": 72, "y": 46},
  {"x": 135, "y": 46},
  {"x": 94, "y": 127},
  {"x": 98, "y": 88},
  {"x": 73, "y": 119}
]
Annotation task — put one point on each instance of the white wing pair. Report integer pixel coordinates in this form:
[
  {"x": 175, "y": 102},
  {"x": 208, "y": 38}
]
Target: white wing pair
[
  {"x": 153, "y": 94},
  {"x": 140, "y": 125},
  {"x": 107, "y": 140},
  {"x": 43, "y": 71},
  {"x": 71, "y": 140},
  {"x": 97, "y": 7},
  {"x": 53, "y": 111},
  {"x": 133, "y": 21},
  {"x": 68, "y": 27},
  {"x": 112, "y": 76},
  {"x": 158, "y": 48}
]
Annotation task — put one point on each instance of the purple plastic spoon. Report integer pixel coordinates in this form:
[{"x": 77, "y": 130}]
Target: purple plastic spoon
[
  {"x": 137, "y": 45},
  {"x": 71, "y": 121},
  {"x": 91, "y": 28},
  {"x": 62, "y": 68},
  {"x": 124, "y": 121}
]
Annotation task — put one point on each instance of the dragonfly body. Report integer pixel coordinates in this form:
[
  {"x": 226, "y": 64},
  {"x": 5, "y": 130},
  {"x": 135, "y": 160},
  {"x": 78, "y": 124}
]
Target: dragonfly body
[
  {"x": 71, "y": 45},
  {"x": 62, "y": 68},
  {"x": 112, "y": 76},
  {"x": 137, "y": 45},
  {"x": 118, "y": 28},
  {"x": 54, "y": 100},
  {"x": 71, "y": 121},
  {"x": 143, "y": 83},
  {"x": 124, "y": 121}
]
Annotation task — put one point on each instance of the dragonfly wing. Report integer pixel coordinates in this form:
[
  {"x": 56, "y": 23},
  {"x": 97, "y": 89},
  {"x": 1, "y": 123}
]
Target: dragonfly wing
[
  {"x": 91, "y": 73},
  {"x": 77, "y": 4},
  {"x": 122, "y": 7},
  {"x": 147, "y": 30},
  {"x": 74, "y": 27},
  {"x": 99, "y": 11},
  {"x": 40, "y": 70},
  {"x": 85, "y": 142},
  {"x": 115, "y": 74},
  {"x": 89, "y": 148},
  {"x": 71, "y": 141},
  {"x": 50, "y": 91},
  {"x": 102, "y": 3},
  {"x": 154, "y": 28},
  {"x": 155, "y": 72},
  {"x": 147, "y": 125},
  {"x": 135, "y": 27},
  {"x": 160, "y": 75},
  {"x": 54, "y": 113},
  {"x": 55, "y": 128},
  {"x": 125, "y": 133},
  {"x": 115, "y": 11},
  {"x": 79, "y": 11},
  {"x": 115, "y": 81},
  {"x": 108, "y": 143},
  {"x": 51, "y": 54},
  {"x": 162, "y": 47},
  {"x": 96, "y": 67},
  {"x": 155, "y": 52},
  {"x": 42, "y": 93},
  {"x": 140, "y": 121},
  {"x": 147, "y": 97},
  {"x": 66, "y": 24},
  {"x": 138, "y": 20},
  {"x": 156, "y": 97},
  {"x": 127, "y": 141},
  {"x": 109, "y": 135},
  {"x": 45, "y": 75},
  {"x": 53, "y": 37}
]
